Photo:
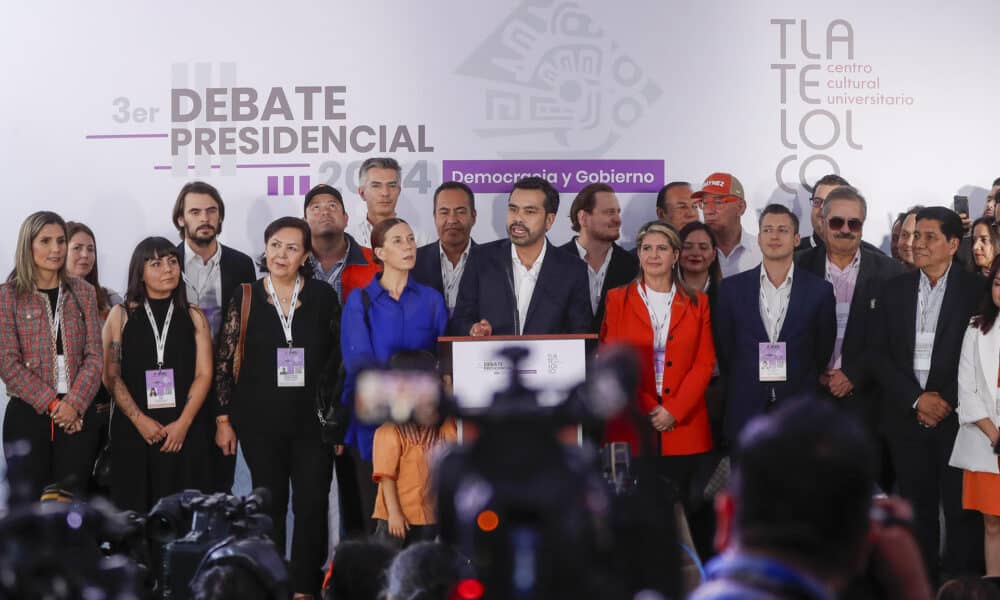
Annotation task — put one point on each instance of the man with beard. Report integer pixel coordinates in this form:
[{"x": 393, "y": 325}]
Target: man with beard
[
  {"x": 211, "y": 272},
  {"x": 597, "y": 216},
  {"x": 858, "y": 274},
  {"x": 519, "y": 287},
  {"x": 442, "y": 264}
]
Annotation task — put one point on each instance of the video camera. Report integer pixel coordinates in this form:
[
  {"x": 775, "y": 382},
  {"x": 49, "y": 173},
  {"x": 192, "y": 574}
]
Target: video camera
[
  {"x": 191, "y": 532},
  {"x": 535, "y": 515}
]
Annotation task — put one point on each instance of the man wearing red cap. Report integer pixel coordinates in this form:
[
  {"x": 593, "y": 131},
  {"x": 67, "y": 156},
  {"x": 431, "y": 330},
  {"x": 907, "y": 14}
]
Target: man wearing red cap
[{"x": 722, "y": 201}]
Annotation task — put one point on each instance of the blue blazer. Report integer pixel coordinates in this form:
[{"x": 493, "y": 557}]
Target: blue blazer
[
  {"x": 809, "y": 332},
  {"x": 559, "y": 304},
  {"x": 427, "y": 269}
]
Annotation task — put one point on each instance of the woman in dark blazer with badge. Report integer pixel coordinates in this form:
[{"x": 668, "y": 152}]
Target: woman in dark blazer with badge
[
  {"x": 668, "y": 325},
  {"x": 158, "y": 366},
  {"x": 273, "y": 355},
  {"x": 50, "y": 361}
]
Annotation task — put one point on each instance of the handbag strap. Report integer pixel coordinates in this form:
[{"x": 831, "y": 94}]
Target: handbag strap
[{"x": 244, "y": 317}]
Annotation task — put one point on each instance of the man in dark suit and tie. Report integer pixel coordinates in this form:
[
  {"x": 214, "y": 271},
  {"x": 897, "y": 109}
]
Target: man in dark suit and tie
[
  {"x": 211, "y": 272},
  {"x": 858, "y": 274},
  {"x": 921, "y": 318},
  {"x": 521, "y": 285},
  {"x": 442, "y": 264},
  {"x": 597, "y": 216},
  {"x": 775, "y": 326}
]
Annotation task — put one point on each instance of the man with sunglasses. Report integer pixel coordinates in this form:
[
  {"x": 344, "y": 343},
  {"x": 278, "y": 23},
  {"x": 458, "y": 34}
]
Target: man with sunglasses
[
  {"x": 857, "y": 273},
  {"x": 823, "y": 187},
  {"x": 722, "y": 201}
]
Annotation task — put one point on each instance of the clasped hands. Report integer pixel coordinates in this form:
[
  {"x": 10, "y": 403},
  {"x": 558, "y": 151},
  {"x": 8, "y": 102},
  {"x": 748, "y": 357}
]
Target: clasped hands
[
  {"x": 66, "y": 417},
  {"x": 932, "y": 409},
  {"x": 661, "y": 419},
  {"x": 835, "y": 381}
]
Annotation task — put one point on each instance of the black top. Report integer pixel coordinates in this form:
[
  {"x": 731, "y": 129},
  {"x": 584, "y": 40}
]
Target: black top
[
  {"x": 53, "y": 296},
  {"x": 257, "y": 405},
  {"x": 139, "y": 355}
]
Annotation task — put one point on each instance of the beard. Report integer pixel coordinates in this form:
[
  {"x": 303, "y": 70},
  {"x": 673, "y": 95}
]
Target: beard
[{"x": 200, "y": 237}]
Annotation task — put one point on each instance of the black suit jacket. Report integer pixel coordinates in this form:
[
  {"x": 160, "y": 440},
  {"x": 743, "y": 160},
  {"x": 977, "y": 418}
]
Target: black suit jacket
[
  {"x": 236, "y": 268},
  {"x": 427, "y": 269},
  {"x": 560, "y": 302},
  {"x": 622, "y": 269},
  {"x": 893, "y": 345},
  {"x": 873, "y": 271}
]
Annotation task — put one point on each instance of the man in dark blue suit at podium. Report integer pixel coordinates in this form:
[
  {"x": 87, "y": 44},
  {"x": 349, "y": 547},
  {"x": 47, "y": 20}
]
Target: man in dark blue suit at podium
[
  {"x": 442, "y": 264},
  {"x": 523, "y": 285},
  {"x": 775, "y": 325}
]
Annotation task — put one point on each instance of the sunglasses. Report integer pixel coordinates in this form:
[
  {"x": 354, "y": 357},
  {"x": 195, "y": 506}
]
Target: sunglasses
[{"x": 837, "y": 223}]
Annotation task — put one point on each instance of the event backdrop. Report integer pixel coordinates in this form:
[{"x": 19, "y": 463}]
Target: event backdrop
[{"x": 109, "y": 107}]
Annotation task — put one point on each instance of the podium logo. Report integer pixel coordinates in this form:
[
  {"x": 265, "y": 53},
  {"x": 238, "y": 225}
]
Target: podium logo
[{"x": 557, "y": 83}]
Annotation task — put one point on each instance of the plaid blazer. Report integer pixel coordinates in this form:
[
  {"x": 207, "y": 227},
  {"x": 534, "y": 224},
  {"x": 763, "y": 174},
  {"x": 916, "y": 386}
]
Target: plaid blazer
[{"x": 28, "y": 355}]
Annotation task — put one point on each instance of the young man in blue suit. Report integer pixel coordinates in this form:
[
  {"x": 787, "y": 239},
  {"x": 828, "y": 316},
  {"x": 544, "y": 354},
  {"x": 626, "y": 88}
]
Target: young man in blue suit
[
  {"x": 775, "y": 325},
  {"x": 442, "y": 264},
  {"x": 523, "y": 285}
]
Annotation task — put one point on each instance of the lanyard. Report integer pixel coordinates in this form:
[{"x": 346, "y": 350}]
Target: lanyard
[
  {"x": 286, "y": 322},
  {"x": 57, "y": 317},
  {"x": 206, "y": 282},
  {"x": 659, "y": 324},
  {"x": 159, "y": 336}
]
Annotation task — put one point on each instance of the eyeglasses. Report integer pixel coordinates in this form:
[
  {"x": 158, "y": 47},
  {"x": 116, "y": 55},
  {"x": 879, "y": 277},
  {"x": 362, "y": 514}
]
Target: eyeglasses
[
  {"x": 837, "y": 223},
  {"x": 714, "y": 201},
  {"x": 817, "y": 202}
]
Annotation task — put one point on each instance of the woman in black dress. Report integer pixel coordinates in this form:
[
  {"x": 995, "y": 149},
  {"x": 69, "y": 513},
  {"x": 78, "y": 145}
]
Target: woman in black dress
[
  {"x": 291, "y": 348},
  {"x": 158, "y": 366}
]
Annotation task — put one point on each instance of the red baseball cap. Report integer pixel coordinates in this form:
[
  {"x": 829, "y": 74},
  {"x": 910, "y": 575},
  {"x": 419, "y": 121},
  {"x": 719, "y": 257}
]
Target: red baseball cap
[{"x": 721, "y": 184}]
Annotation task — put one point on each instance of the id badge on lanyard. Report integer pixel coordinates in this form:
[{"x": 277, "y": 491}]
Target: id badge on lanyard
[
  {"x": 291, "y": 361},
  {"x": 62, "y": 374},
  {"x": 772, "y": 361},
  {"x": 160, "y": 390}
]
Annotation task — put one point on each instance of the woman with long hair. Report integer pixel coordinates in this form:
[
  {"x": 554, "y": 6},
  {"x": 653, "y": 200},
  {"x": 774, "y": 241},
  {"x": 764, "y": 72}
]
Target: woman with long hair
[
  {"x": 978, "y": 379},
  {"x": 50, "y": 361},
  {"x": 82, "y": 263},
  {"x": 158, "y": 366},
  {"x": 668, "y": 325},
  {"x": 985, "y": 244},
  {"x": 289, "y": 354},
  {"x": 699, "y": 261}
]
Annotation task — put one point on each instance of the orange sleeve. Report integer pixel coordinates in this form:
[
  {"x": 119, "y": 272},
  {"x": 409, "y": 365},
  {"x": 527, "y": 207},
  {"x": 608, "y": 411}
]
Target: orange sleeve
[
  {"x": 386, "y": 451},
  {"x": 449, "y": 431},
  {"x": 691, "y": 393}
]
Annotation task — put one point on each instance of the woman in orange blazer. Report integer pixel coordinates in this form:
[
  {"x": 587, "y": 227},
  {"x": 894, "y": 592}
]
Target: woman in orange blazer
[{"x": 668, "y": 326}]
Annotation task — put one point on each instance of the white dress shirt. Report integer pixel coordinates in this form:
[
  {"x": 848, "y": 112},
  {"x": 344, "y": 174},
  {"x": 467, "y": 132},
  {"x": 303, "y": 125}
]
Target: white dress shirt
[
  {"x": 204, "y": 284},
  {"x": 745, "y": 256},
  {"x": 929, "y": 301},
  {"x": 774, "y": 302},
  {"x": 597, "y": 277},
  {"x": 524, "y": 282},
  {"x": 451, "y": 275}
]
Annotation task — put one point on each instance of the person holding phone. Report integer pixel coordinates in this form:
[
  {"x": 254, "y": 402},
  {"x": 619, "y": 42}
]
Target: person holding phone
[{"x": 975, "y": 443}]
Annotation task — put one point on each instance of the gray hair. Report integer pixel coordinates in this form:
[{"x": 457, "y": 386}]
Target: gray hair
[
  {"x": 845, "y": 192},
  {"x": 378, "y": 162}
]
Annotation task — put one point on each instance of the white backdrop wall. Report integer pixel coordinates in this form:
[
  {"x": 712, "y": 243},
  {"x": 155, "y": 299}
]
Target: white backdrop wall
[{"x": 697, "y": 85}]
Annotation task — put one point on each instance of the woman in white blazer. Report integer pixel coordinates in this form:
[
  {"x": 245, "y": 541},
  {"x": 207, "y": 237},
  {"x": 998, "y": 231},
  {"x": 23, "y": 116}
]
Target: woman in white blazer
[{"x": 978, "y": 396}]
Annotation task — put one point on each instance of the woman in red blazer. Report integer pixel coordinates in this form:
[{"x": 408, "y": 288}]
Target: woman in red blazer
[{"x": 668, "y": 325}]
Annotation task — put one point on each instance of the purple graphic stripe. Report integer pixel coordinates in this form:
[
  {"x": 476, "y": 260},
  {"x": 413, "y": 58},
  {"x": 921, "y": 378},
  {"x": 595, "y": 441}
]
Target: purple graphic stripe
[
  {"x": 567, "y": 176},
  {"x": 124, "y": 136},
  {"x": 246, "y": 166}
]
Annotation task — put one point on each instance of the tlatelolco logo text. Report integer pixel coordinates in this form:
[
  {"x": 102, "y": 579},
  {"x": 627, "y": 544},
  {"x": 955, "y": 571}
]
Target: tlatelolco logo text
[{"x": 822, "y": 88}]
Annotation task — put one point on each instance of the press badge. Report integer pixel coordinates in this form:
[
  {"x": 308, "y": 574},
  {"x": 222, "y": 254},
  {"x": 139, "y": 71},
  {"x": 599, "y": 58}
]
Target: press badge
[
  {"x": 62, "y": 378},
  {"x": 160, "y": 391},
  {"x": 922, "y": 348},
  {"x": 772, "y": 361},
  {"x": 291, "y": 367}
]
